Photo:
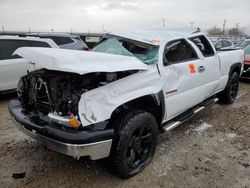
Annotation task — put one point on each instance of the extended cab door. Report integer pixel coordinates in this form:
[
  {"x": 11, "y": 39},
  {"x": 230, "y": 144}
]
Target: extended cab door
[
  {"x": 184, "y": 82},
  {"x": 210, "y": 67}
]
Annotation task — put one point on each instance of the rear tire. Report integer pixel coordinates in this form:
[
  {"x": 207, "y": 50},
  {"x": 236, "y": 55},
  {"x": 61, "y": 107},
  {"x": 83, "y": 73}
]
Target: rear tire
[
  {"x": 228, "y": 96},
  {"x": 134, "y": 143}
]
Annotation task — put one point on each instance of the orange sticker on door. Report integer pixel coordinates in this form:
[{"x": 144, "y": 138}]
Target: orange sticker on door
[{"x": 192, "y": 68}]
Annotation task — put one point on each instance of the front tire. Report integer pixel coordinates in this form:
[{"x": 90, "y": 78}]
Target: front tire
[
  {"x": 134, "y": 143},
  {"x": 228, "y": 96}
]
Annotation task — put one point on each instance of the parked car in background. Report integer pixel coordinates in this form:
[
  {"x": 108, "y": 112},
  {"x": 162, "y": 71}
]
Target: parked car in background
[
  {"x": 238, "y": 42},
  {"x": 245, "y": 43},
  {"x": 224, "y": 44},
  {"x": 246, "y": 73},
  {"x": 63, "y": 40},
  {"x": 13, "y": 67}
]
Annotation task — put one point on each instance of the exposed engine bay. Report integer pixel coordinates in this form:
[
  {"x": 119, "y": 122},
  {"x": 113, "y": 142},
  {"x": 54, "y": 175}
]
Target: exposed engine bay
[{"x": 59, "y": 93}]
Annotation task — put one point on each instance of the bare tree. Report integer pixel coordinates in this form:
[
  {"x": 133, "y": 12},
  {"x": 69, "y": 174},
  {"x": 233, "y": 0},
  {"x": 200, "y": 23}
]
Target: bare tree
[
  {"x": 236, "y": 32},
  {"x": 231, "y": 32},
  {"x": 215, "y": 31}
]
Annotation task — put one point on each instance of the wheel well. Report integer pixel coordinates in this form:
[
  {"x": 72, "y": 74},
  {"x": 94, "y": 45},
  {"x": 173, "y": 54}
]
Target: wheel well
[
  {"x": 235, "y": 68},
  {"x": 153, "y": 104}
]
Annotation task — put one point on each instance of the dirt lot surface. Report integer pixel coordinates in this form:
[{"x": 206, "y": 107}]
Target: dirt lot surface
[{"x": 210, "y": 150}]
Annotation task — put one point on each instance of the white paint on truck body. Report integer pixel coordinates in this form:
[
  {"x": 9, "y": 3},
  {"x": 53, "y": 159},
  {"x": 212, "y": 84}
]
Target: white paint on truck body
[
  {"x": 182, "y": 89},
  {"x": 98, "y": 104}
]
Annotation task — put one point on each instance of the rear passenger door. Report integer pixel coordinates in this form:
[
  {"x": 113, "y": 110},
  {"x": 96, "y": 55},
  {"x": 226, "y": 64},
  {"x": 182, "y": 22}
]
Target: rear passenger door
[
  {"x": 183, "y": 77},
  {"x": 13, "y": 67}
]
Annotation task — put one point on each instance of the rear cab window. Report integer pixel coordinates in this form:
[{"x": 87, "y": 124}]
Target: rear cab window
[{"x": 204, "y": 46}]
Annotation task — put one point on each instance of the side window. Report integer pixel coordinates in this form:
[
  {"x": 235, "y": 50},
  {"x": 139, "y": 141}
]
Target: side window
[
  {"x": 202, "y": 43},
  {"x": 7, "y": 48},
  {"x": 224, "y": 43},
  {"x": 219, "y": 44},
  {"x": 60, "y": 40},
  {"x": 228, "y": 43},
  {"x": 38, "y": 44},
  {"x": 178, "y": 51}
]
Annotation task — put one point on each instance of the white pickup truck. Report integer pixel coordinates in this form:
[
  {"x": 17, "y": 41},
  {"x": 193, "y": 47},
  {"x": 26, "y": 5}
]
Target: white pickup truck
[{"x": 112, "y": 101}]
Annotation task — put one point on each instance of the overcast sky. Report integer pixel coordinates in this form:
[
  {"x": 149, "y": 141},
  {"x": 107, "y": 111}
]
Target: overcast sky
[{"x": 94, "y": 15}]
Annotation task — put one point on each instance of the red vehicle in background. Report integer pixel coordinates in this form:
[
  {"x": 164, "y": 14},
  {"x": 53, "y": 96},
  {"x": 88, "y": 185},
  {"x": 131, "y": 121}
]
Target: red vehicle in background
[{"x": 246, "y": 73}]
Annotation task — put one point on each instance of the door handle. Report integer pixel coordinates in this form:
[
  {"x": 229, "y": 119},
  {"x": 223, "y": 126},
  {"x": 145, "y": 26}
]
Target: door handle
[{"x": 201, "y": 69}]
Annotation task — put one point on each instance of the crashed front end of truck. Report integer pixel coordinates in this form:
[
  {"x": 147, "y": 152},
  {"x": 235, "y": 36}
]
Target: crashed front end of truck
[
  {"x": 67, "y": 98},
  {"x": 47, "y": 107}
]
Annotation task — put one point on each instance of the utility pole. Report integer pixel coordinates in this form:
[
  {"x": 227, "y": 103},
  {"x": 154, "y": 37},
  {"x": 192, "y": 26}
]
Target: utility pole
[
  {"x": 224, "y": 26},
  {"x": 237, "y": 30},
  {"x": 3, "y": 28},
  {"x": 163, "y": 23},
  {"x": 29, "y": 29}
]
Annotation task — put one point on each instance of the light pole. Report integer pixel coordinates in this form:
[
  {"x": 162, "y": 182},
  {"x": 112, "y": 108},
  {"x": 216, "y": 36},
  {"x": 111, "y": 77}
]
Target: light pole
[
  {"x": 224, "y": 26},
  {"x": 163, "y": 23},
  {"x": 3, "y": 28},
  {"x": 237, "y": 30}
]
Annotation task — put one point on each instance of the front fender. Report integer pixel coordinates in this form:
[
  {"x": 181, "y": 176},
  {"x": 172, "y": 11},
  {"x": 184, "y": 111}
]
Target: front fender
[{"x": 97, "y": 105}]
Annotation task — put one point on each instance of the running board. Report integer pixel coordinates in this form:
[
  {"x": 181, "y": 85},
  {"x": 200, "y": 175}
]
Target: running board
[{"x": 188, "y": 114}]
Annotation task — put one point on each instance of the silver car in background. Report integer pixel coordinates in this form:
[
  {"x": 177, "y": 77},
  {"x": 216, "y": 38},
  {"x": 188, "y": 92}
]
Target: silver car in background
[
  {"x": 245, "y": 43},
  {"x": 224, "y": 44},
  {"x": 64, "y": 40}
]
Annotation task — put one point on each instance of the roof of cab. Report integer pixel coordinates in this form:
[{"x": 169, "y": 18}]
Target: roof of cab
[{"x": 155, "y": 36}]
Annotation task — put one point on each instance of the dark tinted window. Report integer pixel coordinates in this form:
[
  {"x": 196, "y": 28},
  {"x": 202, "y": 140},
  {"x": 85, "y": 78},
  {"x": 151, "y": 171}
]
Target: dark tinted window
[
  {"x": 226, "y": 43},
  {"x": 202, "y": 43},
  {"x": 179, "y": 51},
  {"x": 60, "y": 40},
  {"x": 38, "y": 44},
  {"x": 7, "y": 47}
]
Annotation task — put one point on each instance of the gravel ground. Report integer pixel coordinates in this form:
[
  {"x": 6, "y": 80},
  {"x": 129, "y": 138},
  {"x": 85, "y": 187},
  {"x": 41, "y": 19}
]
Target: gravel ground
[{"x": 210, "y": 150}]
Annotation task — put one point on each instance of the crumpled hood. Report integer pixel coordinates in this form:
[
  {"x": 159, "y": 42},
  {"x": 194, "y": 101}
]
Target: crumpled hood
[{"x": 80, "y": 62}]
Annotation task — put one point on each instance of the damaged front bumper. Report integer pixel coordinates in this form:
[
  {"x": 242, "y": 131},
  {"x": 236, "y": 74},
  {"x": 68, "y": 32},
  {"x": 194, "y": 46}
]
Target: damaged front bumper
[{"x": 94, "y": 143}]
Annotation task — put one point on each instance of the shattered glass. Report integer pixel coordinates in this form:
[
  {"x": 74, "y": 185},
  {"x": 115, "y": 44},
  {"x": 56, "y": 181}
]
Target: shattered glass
[{"x": 113, "y": 45}]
